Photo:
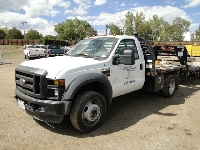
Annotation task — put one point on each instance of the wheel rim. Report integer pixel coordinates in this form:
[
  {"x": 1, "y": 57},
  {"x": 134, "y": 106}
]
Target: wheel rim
[
  {"x": 91, "y": 113},
  {"x": 171, "y": 86}
]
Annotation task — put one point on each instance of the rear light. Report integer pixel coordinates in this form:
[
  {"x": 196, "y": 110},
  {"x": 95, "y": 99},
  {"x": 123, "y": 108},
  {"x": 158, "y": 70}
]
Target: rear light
[{"x": 50, "y": 51}]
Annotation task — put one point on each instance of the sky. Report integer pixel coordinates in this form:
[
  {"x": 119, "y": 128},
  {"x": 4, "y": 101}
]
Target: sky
[{"x": 42, "y": 15}]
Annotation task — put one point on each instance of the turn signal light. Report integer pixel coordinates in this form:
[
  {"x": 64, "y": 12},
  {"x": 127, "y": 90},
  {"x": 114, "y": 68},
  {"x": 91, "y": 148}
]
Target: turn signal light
[{"x": 59, "y": 82}]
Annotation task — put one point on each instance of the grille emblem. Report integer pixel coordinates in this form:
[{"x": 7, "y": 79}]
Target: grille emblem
[{"x": 22, "y": 81}]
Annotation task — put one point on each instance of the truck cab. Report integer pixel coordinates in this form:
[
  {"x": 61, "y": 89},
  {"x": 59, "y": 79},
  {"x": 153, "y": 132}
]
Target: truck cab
[{"x": 83, "y": 82}]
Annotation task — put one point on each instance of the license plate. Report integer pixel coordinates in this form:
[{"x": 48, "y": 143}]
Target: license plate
[
  {"x": 21, "y": 104},
  {"x": 180, "y": 54}
]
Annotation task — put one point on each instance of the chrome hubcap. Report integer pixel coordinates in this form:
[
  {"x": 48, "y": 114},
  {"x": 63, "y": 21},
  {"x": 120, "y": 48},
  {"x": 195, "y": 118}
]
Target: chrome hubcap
[
  {"x": 171, "y": 86},
  {"x": 91, "y": 112}
]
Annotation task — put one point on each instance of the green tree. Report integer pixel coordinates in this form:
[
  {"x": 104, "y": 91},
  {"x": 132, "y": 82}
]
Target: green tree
[
  {"x": 74, "y": 29},
  {"x": 179, "y": 27},
  {"x": 14, "y": 34},
  {"x": 156, "y": 25},
  {"x": 33, "y": 34},
  {"x": 114, "y": 29},
  {"x": 129, "y": 28},
  {"x": 49, "y": 37},
  {"x": 139, "y": 21},
  {"x": 44, "y": 40},
  {"x": 197, "y": 34},
  {"x": 166, "y": 32},
  {"x": 2, "y": 34},
  {"x": 5, "y": 29}
]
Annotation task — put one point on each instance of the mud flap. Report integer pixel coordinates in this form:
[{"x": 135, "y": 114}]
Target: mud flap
[{"x": 177, "y": 78}]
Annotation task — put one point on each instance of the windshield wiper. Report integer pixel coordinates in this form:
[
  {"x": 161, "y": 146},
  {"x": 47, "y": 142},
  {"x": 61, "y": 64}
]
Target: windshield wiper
[
  {"x": 81, "y": 55},
  {"x": 90, "y": 56}
]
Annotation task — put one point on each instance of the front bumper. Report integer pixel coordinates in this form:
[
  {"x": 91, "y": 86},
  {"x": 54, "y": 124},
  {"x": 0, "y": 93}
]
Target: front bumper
[{"x": 45, "y": 110}]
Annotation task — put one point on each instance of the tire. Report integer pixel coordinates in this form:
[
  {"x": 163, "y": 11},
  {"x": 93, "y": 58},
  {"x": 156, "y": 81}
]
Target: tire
[
  {"x": 25, "y": 57},
  {"x": 28, "y": 57},
  {"x": 177, "y": 83},
  {"x": 169, "y": 86},
  {"x": 88, "y": 111}
]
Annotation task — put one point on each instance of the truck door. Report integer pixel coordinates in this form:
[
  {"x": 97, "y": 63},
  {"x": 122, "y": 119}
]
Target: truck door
[{"x": 128, "y": 78}]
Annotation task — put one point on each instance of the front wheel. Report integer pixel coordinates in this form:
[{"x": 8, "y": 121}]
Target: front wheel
[
  {"x": 169, "y": 86},
  {"x": 88, "y": 111}
]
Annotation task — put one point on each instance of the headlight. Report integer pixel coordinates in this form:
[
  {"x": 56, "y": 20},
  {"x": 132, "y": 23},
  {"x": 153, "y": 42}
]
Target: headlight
[{"x": 55, "y": 88}]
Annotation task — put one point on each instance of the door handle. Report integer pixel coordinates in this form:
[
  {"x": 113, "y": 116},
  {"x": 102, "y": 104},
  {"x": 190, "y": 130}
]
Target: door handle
[{"x": 141, "y": 66}]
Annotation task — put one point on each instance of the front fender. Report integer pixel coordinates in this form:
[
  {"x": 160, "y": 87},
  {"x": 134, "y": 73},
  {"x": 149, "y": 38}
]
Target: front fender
[{"x": 82, "y": 80}]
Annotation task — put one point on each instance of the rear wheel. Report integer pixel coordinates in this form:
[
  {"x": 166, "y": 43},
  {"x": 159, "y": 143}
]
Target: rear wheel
[
  {"x": 25, "y": 57},
  {"x": 88, "y": 111},
  {"x": 169, "y": 86}
]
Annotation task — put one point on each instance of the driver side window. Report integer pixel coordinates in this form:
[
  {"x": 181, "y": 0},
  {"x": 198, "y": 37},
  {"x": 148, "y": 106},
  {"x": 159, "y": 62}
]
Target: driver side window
[{"x": 127, "y": 44}]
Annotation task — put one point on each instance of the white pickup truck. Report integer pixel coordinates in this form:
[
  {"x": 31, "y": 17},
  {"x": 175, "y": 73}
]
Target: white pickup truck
[
  {"x": 34, "y": 51},
  {"x": 83, "y": 82}
]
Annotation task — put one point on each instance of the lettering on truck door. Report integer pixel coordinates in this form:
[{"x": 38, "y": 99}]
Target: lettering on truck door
[{"x": 127, "y": 78}]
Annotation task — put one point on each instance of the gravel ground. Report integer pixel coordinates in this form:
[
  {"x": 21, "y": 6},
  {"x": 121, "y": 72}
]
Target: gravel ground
[{"x": 139, "y": 120}]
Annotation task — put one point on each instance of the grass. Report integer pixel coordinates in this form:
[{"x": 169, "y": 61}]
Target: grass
[{"x": 11, "y": 50}]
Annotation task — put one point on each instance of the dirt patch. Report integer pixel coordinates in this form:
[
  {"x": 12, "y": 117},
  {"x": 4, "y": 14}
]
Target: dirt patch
[{"x": 139, "y": 120}]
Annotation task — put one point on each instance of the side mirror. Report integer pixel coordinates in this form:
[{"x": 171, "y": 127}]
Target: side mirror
[{"x": 128, "y": 58}]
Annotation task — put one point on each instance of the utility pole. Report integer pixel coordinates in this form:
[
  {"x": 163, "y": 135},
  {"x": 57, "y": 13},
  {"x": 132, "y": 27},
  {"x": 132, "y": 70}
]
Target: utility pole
[{"x": 23, "y": 26}]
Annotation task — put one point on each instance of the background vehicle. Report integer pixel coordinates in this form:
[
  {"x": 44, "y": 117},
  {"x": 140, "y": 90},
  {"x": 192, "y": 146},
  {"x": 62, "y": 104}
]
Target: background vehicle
[
  {"x": 83, "y": 82},
  {"x": 34, "y": 51},
  {"x": 1, "y": 57},
  {"x": 53, "y": 49},
  {"x": 193, "y": 50}
]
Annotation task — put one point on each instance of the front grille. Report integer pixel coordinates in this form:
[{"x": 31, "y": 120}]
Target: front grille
[{"x": 31, "y": 81}]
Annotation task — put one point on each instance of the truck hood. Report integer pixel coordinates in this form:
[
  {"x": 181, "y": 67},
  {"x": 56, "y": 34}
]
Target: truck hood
[{"x": 54, "y": 65}]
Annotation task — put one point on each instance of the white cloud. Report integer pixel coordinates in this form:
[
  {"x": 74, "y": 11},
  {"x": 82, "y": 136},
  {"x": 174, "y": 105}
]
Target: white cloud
[
  {"x": 191, "y": 3},
  {"x": 169, "y": 2},
  {"x": 169, "y": 13},
  {"x": 123, "y": 4},
  {"x": 44, "y": 27},
  {"x": 39, "y": 10},
  {"x": 195, "y": 14},
  {"x": 6, "y": 5},
  {"x": 103, "y": 19},
  {"x": 193, "y": 27},
  {"x": 35, "y": 11},
  {"x": 34, "y": 8},
  {"x": 135, "y": 4},
  {"x": 60, "y": 3},
  {"x": 82, "y": 8},
  {"x": 99, "y": 2}
]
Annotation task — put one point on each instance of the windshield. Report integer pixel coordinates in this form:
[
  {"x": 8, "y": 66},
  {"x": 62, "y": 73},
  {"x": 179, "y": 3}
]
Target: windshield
[
  {"x": 94, "y": 47},
  {"x": 53, "y": 47}
]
